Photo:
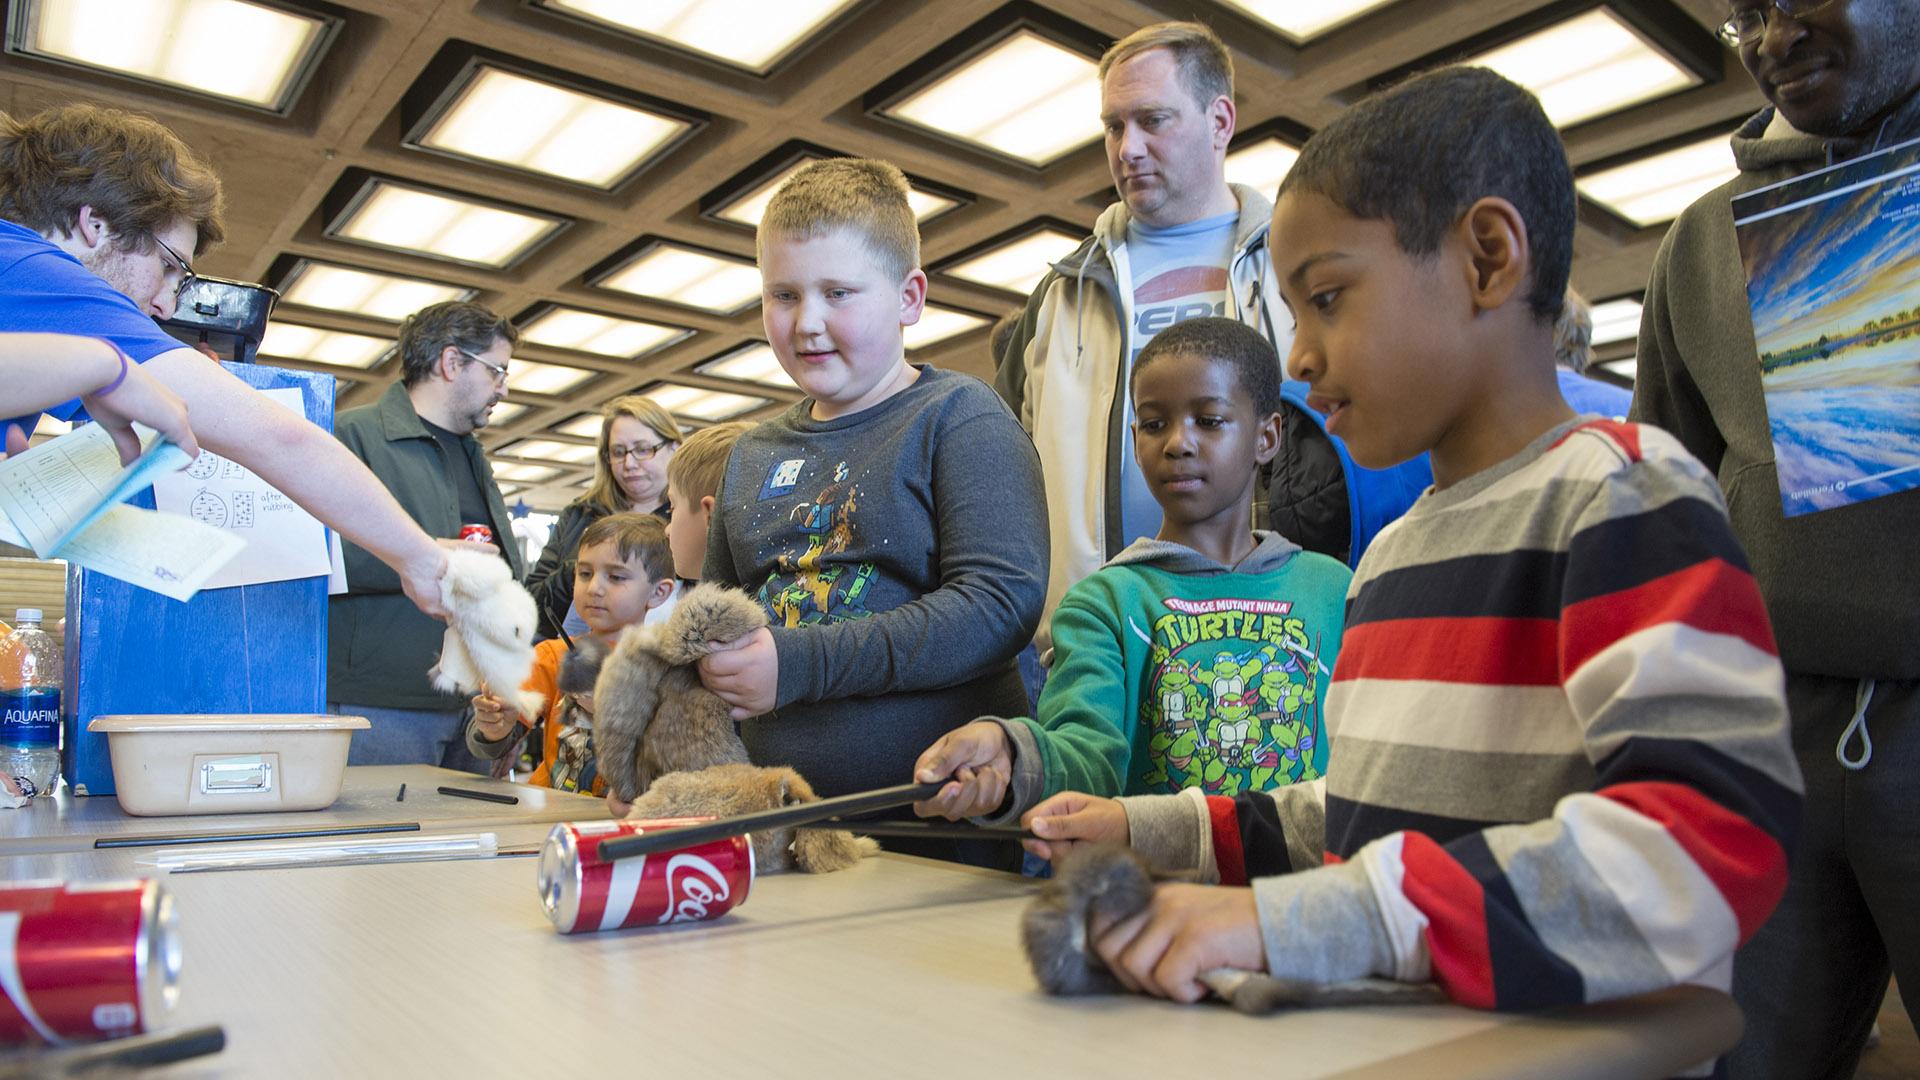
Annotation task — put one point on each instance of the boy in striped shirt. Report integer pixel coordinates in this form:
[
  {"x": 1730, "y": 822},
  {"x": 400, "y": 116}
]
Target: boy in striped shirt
[{"x": 1559, "y": 769}]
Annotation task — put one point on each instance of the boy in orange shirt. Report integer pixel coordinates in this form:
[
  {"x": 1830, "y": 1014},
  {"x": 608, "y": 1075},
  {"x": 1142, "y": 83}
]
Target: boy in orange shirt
[{"x": 624, "y": 569}]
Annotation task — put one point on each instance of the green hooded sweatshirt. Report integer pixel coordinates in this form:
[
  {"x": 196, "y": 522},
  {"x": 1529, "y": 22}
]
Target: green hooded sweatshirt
[{"x": 1172, "y": 671}]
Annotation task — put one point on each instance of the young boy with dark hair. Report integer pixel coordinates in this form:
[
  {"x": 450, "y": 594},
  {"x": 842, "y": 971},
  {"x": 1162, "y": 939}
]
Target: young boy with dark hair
[
  {"x": 623, "y": 570},
  {"x": 1196, "y": 658},
  {"x": 1562, "y": 772},
  {"x": 892, "y": 521}
]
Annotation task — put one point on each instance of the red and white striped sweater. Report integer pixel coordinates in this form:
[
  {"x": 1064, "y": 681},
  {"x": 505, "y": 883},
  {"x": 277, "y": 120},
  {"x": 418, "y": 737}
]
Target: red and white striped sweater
[{"x": 1559, "y": 763}]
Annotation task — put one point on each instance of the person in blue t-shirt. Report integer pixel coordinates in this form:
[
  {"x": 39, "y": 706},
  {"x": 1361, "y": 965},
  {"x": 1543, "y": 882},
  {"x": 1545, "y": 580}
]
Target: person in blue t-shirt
[
  {"x": 101, "y": 214},
  {"x": 38, "y": 371}
]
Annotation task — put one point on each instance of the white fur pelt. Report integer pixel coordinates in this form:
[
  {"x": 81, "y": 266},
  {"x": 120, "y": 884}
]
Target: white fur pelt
[{"x": 489, "y": 641}]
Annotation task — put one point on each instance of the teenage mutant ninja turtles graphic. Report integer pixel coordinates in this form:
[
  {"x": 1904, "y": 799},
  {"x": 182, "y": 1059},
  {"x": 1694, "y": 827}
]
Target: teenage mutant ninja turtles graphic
[
  {"x": 807, "y": 587},
  {"x": 1233, "y": 698}
]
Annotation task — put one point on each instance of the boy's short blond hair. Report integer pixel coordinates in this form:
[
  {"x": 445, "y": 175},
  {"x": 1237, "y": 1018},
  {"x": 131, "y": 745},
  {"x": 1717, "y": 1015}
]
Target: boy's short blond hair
[
  {"x": 1205, "y": 64},
  {"x": 867, "y": 196},
  {"x": 637, "y": 537},
  {"x": 701, "y": 462}
]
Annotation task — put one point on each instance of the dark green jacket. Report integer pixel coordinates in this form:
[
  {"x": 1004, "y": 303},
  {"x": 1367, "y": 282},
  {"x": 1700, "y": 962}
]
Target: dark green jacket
[
  {"x": 379, "y": 646},
  {"x": 1842, "y": 586}
]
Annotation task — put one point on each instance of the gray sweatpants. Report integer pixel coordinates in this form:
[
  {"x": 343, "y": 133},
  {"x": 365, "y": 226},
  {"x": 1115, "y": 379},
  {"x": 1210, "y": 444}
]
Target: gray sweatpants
[{"x": 1810, "y": 982}]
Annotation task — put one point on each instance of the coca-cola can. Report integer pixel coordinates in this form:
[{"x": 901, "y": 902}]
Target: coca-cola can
[
  {"x": 85, "y": 960},
  {"x": 581, "y": 892},
  {"x": 482, "y": 534}
]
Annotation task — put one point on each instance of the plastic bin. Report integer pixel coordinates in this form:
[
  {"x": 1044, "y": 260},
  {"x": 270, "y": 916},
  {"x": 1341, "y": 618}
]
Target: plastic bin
[{"x": 227, "y": 764}]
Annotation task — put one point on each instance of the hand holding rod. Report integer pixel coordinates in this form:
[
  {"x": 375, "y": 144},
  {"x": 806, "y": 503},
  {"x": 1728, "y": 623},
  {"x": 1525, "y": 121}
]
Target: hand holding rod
[{"x": 652, "y": 843}]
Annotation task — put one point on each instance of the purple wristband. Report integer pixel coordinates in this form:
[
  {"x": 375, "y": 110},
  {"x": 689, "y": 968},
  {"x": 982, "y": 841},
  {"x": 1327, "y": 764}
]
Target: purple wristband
[{"x": 115, "y": 384}]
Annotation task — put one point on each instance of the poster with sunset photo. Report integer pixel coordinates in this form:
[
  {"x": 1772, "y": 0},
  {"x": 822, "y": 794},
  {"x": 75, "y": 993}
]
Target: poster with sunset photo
[{"x": 1833, "y": 277}]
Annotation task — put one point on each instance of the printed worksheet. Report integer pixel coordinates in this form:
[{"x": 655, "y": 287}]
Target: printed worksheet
[{"x": 280, "y": 541}]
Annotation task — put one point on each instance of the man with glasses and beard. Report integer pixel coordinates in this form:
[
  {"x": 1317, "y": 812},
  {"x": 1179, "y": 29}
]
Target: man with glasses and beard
[
  {"x": 1842, "y": 586},
  {"x": 418, "y": 439},
  {"x": 100, "y": 213}
]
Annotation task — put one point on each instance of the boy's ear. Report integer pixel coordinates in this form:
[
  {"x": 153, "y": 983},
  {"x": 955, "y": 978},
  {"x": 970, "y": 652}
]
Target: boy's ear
[
  {"x": 662, "y": 588},
  {"x": 913, "y": 296},
  {"x": 1267, "y": 447},
  {"x": 1501, "y": 260},
  {"x": 706, "y": 504}
]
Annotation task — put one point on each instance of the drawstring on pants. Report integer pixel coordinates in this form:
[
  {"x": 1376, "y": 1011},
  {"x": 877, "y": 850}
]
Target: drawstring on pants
[{"x": 1862, "y": 698}]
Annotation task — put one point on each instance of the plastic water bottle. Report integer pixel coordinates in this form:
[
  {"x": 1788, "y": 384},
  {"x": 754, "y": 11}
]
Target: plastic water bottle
[{"x": 30, "y": 705}]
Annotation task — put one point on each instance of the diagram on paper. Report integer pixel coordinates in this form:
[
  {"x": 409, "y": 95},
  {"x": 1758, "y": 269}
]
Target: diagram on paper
[{"x": 283, "y": 541}]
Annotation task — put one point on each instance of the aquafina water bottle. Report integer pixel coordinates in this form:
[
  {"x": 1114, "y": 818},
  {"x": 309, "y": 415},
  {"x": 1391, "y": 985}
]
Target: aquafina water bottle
[{"x": 30, "y": 705}]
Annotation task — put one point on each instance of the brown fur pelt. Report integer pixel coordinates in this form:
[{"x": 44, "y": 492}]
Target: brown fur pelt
[
  {"x": 731, "y": 790},
  {"x": 1114, "y": 882},
  {"x": 651, "y": 715}
]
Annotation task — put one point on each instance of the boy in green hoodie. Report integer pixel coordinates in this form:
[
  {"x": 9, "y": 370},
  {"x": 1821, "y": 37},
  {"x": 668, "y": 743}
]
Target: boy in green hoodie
[{"x": 1198, "y": 658}]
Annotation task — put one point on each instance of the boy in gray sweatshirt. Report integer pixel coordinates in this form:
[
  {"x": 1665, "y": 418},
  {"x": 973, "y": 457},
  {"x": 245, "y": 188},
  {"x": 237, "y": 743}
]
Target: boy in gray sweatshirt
[{"x": 891, "y": 522}]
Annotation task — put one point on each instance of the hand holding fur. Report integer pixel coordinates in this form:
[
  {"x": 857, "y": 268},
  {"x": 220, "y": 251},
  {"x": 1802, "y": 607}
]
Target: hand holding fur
[
  {"x": 652, "y": 716},
  {"x": 489, "y": 640},
  {"x": 1113, "y": 882}
]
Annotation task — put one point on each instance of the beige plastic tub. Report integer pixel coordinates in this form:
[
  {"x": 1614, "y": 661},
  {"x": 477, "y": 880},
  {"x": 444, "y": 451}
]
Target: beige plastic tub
[{"x": 227, "y": 764}]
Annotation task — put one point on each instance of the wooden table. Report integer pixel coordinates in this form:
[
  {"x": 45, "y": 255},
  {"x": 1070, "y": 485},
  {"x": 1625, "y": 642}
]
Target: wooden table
[
  {"x": 67, "y": 822},
  {"x": 897, "y": 967}
]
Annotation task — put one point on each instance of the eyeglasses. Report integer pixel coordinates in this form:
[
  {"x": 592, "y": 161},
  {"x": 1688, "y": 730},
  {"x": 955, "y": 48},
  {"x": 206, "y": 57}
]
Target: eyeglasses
[
  {"x": 639, "y": 452},
  {"x": 499, "y": 370},
  {"x": 1748, "y": 24},
  {"x": 187, "y": 276}
]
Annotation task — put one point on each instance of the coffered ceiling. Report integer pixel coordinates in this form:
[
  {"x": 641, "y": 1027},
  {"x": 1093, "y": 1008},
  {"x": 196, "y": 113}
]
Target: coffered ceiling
[{"x": 596, "y": 181}]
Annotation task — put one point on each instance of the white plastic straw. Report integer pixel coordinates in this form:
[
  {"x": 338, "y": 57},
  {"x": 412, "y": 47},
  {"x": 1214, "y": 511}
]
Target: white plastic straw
[{"x": 377, "y": 849}]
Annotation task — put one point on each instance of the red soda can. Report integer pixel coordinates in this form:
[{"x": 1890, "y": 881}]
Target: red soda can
[
  {"x": 85, "y": 961},
  {"x": 583, "y": 893},
  {"x": 478, "y": 533}
]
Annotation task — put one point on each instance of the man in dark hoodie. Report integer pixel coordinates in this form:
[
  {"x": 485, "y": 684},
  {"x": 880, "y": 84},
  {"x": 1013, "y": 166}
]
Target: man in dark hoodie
[{"x": 1841, "y": 586}]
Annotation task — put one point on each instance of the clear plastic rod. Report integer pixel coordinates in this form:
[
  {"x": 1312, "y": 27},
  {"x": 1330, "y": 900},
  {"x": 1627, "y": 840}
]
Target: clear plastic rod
[{"x": 329, "y": 853}]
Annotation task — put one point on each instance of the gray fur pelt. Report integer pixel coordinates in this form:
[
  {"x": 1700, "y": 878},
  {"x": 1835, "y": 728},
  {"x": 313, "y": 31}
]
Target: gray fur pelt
[
  {"x": 725, "y": 791},
  {"x": 1114, "y": 882},
  {"x": 651, "y": 715}
]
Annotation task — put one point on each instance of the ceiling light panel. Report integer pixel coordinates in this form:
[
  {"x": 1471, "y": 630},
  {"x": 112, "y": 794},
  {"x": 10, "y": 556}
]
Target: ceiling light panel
[
  {"x": 751, "y": 34},
  {"x": 506, "y": 412},
  {"x": 1626, "y": 369},
  {"x": 529, "y": 377},
  {"x": 1262, "y": 165},
  {"x": 754, "y": 364},
  {"x": 602, "y": 335},
  {"x": 749, "y": 208},
  {"x": 362, "y": 292},
  {"x": 400, "y": 218},
  {"x": 1654, "y": 189},
  {"x": 585, "y": 426},
  {"x": 694, "y": 403},
  {"x": 938, "y": 324},
  {"x": 1588, "y": 66},
  {"x": 526, "y": 474},
  {"x": 1616, "y": 320},
  {"x": 691, "y": 278},
  {"x": 228, "y": 49},
  {"x": 525, "y": 123},
  {"x": 1300, "y": 21},
  {"x": 1016, "y": 266},
  {"x": 549, "y": 450},
  {"x": 1026, "y": 98},
  {"x": 291, "y": 341}
]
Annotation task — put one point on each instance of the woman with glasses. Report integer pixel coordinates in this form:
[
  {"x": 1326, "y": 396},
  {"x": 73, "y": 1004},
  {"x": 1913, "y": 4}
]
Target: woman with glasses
[{"x": 637, "y": 439}]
